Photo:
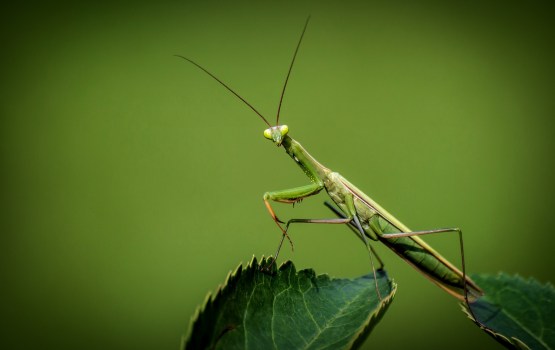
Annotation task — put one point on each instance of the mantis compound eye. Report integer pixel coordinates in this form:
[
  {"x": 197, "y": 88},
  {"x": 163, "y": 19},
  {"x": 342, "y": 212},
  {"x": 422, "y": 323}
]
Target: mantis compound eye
[
  {"x": 283, "y": 129},
  {"x": 268, "y": 134}
]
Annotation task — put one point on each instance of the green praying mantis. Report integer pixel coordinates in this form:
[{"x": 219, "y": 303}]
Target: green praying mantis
[{"x": 366, "y": 218}]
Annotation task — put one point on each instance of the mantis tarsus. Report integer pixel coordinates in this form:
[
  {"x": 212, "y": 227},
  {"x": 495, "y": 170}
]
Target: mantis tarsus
[{"x": 368, "y": 220}]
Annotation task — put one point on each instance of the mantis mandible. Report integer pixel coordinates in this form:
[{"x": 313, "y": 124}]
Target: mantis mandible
[{"x": 368, "y": 220}]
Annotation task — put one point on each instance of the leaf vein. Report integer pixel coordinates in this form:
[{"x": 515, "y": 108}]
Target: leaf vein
[
  {"x": 308, "y": 310},
  {"x": 245, "y": 315},
  {"x": 515, "y": 320},
  {"x": 329, "y": 322}
]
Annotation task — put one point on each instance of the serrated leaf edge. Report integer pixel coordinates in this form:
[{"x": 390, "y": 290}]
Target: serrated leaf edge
[
  {"x": 253, "y": 263},
  {"x": 498, "y": 336},
  {"x": 517, "y": 343},
  {"x": 212, "y": 296},
  {"x": 375, "y": 316}
]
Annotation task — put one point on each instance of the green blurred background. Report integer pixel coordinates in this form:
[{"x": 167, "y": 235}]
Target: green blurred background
[{"x": 132, "y": 183}]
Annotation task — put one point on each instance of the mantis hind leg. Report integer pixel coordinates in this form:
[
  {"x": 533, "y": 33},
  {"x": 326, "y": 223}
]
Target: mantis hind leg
[{"x": 466, "y": 282}]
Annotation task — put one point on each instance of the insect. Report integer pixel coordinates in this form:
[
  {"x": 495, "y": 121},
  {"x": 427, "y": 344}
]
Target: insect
[{"x": 368, "y": 220}]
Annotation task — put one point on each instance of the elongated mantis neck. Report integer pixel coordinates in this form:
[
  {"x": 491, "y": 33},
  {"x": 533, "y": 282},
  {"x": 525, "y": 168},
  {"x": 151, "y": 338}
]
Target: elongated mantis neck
[{"x": 310, "y": 166}]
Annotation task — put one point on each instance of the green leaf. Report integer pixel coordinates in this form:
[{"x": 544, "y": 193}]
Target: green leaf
[
  {"x": 518, "y": 313},
  {"x": 286, "y": 309}
]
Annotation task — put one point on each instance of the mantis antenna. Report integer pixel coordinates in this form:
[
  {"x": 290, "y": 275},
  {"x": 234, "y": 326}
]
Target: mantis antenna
[
  {"x": 227, "y": 87},
  {"x": 290, "y": 68},
  {"x": 239, "y": 96}
]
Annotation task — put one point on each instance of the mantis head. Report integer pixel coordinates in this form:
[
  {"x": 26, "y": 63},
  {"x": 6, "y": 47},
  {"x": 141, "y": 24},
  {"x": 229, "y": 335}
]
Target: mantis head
[{"x": 276, "y": 133}]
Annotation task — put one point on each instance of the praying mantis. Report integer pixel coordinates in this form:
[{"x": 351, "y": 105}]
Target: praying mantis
[{"x": 364, "y": 216}]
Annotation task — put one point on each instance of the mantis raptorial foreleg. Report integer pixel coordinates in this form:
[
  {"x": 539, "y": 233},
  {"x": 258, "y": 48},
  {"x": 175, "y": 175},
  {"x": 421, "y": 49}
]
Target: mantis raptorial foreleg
[{"x": 292, "y": 195}]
